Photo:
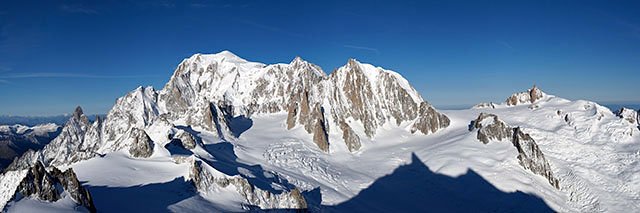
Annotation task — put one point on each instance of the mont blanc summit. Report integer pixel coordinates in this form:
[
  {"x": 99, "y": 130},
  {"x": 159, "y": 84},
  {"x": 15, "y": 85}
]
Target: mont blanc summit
[{"x": 227, "y": 134}]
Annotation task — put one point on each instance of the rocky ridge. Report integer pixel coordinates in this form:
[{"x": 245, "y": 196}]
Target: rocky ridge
[
  {"x": 490, "y": 128},
  {"x": 208, "y": 180},
  {"x": 629, "y": 115},
  {"x": 52, "y": 185}
]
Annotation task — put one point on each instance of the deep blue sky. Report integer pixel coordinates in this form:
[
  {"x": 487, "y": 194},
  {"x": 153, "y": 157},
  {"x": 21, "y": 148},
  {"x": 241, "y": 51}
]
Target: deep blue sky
[{"x": 55, "y": 55}]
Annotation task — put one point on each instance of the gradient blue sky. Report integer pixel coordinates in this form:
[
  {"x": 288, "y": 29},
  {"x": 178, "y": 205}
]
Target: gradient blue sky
[{"x": 55, "y": 55}]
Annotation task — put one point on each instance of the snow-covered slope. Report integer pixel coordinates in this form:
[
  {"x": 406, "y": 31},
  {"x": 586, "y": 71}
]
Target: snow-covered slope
[{"x": 226, "y": 134}]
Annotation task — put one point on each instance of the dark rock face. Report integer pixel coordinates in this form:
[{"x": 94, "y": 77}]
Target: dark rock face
[
  {"x": 49, "y": 186},
  {"x": 71, "y": 185},
  {"x": 531, "y": 157},
  {"x": 491, "y": 128},
  {"x": 185, "y": 139},
  {"x": 320, "y": 136},
  {"x": 142, "y": 145},
  {"x": 39, "y": 184},
  {"x": 311, "y": 116},
  {"x": 629, "y": 115},
  {"x": 350, "y": 138}
]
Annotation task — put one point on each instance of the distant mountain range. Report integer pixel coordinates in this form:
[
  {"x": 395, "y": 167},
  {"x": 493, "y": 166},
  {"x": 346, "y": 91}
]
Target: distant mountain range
[{"x": 37, "y": 120}]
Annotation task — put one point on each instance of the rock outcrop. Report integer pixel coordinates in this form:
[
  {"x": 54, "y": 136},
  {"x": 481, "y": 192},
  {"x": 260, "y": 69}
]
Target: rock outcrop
[
  {"x": 483, "y": 105},
  {"x": 78, "y": 140},
  {"x": 429, "y": 120},
  {"x": 531, "y": 158},
  {"x": 629, "y": 115},
  {"x": 528, "y": 97},
  {"x": 490, "y": 128},
  {"x": 141, "y": 145},
  {"x": 185, "y": 139},
  {"x": 350, "y": 138},
  {"x": 208, "y": 180},
  {"x": 52, "y": 186},
  {"x": 311, "y": 116},
  {"x": 38, "y": 183}
]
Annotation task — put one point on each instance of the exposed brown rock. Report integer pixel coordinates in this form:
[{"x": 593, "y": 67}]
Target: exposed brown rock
[
  {"x": 533, "y": 94},
  {"x": 142, "y": 145},
  {"x": 292, "y": 112},
  {"x": 350, "y": 138},
  {"x": 186, "y": 139},
  {"x": 39, "y": 183},
  {"x": 493, "y": 129},
  {"x": 429, "y": 120},
  {"x": 72, "y": 186},
  {"x": 311, "y": 117},
  {"x": 320, "y": 136},
  {"x": 530, "y": 156},
  {"x": 530, "y": 96},
  {"x": 49, "y": 186}
]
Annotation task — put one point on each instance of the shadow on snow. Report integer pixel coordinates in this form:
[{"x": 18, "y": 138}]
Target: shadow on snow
[
  {"x": 414, "y": 187},
  {"x": 155, "y": 197},
  {"x": 226, "y": 161}
]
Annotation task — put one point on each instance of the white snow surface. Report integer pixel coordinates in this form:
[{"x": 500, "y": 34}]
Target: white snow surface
[{"x": 595, "y": 156}]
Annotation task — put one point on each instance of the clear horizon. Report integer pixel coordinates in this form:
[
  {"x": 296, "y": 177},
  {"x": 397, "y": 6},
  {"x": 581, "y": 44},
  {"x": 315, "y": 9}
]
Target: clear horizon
[{"x": 56, "y": 55}]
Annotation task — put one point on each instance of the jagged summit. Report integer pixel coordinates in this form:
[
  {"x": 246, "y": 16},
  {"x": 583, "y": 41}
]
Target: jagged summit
[
  {"x": 78, "y": 112},
  {"x": 530, "y": 96},
  {"x": 300, "y": 64}
]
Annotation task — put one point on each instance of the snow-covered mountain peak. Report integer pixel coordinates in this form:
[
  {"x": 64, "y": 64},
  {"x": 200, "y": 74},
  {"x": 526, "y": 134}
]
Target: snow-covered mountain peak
[
  {"x": 227, "y": 59},
  {"x": 78, "y": 112},
  {"x": 78, "y": 118},
  {"x": 376, "y": 77},
  {"x": 300, "y": 64}
]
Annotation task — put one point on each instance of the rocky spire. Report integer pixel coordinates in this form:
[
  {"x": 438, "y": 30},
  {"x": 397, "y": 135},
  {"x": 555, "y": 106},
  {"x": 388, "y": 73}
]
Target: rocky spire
[
  {"x": 52, "y": 185},
  {"x": 530, "y": 96}
]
